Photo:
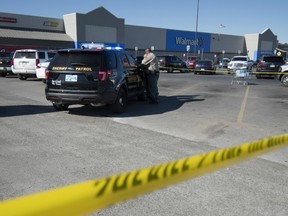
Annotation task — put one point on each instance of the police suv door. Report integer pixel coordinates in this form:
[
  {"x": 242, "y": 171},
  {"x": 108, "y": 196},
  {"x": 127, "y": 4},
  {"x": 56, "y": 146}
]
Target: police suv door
[{"x": 135, "y": 83}]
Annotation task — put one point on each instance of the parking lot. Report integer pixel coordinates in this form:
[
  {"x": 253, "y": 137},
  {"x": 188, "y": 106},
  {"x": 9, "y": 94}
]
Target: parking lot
[{"x": 42, "y": 149}]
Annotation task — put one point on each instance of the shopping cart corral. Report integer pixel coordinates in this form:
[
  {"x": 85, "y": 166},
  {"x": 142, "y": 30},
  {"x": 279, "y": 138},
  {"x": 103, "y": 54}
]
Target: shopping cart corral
[{"x": 241, "y": 77}]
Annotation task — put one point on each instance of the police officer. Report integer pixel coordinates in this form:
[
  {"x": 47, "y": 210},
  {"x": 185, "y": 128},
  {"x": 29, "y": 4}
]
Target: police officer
[{"x": 152, "y": 73}]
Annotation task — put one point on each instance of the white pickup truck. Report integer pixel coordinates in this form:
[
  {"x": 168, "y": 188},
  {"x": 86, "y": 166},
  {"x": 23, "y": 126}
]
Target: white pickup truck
[{"x": 239, "y": 62}]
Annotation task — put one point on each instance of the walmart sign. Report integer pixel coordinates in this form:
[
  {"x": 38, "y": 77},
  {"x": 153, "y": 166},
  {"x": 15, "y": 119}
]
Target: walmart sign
[{"x": 178, "y": 40}]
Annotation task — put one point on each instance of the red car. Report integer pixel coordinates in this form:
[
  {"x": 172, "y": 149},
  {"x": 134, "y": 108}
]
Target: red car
[
  {"x": 205, "y": 67},
  {"x": 191, "y": 61}
]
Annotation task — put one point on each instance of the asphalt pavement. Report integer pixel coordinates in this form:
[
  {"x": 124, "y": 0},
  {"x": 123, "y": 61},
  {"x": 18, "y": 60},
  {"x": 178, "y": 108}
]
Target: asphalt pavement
[{"x": 42, "y": 149}]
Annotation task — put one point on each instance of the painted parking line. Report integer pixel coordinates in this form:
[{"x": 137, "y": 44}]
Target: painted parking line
[{"x": 243, "y": 106}]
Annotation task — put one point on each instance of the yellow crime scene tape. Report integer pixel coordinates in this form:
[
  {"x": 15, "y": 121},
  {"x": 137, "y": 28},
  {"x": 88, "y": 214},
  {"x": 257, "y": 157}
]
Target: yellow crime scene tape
[
  {"x": 186, "y": 70},
  {"x": 97, "y": 194},
  {"x": 219, "y": 71},
  {"x": 255, "y": 72}
]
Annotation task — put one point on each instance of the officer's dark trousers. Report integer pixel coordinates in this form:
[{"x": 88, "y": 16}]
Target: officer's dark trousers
[{"x": 152, "y": 88}]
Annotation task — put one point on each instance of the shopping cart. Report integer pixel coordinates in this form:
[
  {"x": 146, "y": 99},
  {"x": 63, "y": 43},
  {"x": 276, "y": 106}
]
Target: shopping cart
[{"x": 241, "y": 77}]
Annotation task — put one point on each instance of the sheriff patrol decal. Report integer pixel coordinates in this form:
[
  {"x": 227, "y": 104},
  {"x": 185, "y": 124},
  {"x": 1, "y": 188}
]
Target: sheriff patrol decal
[{"x": 83, "y": 69}]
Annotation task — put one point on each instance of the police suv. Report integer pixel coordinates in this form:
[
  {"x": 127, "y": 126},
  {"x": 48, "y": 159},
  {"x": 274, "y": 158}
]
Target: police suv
[{"x": 96, "y": 75}]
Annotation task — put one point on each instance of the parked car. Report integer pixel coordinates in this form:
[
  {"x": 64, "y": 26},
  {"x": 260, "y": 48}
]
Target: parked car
[
  {"x": 254, "y": 63},
  {"x": 191, "y": 61},
  {"x": 171, "y": 63},
  {"x": 93, "y": 76},
  {"x": 269, "y": 63},
  {"x": 5, "y": 63},
  {"x": 224, "y": 63},
  {"x": 205, "y": 67},
  {"x": 283, "y": 75},
  {"x": 41, "y": 70},
  {"x": 239, "y": 62},
  {"x": 25, "y": 62}
]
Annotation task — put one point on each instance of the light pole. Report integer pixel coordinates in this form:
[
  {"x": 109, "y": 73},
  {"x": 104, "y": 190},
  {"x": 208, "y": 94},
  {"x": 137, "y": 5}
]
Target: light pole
[
  {"x": 187, "y": 49},
  {"x": 223, "y": 52},
  {"x": 136, "y": 51},
  {"x": 196, "y": 41}
]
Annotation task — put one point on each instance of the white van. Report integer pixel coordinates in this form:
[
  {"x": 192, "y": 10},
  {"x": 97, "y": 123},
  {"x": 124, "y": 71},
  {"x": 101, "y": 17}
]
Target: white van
[{"x": 25, "y": 61}]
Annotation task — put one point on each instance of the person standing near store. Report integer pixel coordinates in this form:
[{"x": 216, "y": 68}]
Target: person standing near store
[{"x": 152, "y": 73}]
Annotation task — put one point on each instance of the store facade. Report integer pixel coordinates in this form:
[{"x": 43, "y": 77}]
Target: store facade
[{"x": 100, "y": 26}]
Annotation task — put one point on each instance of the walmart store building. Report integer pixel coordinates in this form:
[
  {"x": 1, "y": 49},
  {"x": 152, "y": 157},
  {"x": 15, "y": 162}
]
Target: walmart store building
[{"x": 100, "y": 26}]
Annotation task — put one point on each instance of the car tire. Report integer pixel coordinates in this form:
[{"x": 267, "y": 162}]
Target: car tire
[
  {"x": 170, "y": 70},
  {"x": 60, "y": 107},
  {"x": 22, "y": 77},
  {"x": 284, "y": 80},
  {"x": 121, "y": 101},
  {"x": 3, "y": 74}
]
